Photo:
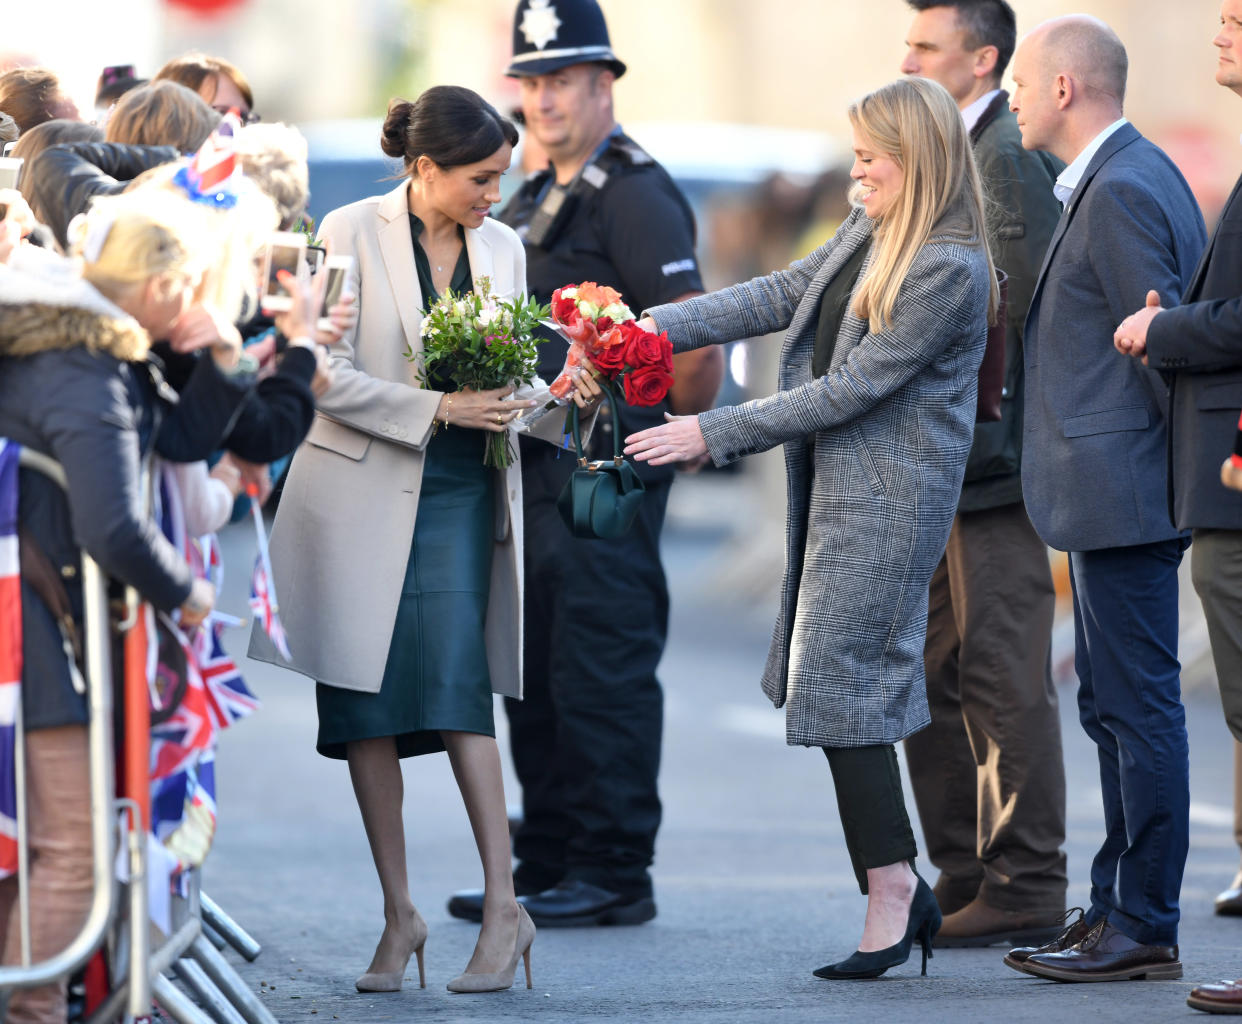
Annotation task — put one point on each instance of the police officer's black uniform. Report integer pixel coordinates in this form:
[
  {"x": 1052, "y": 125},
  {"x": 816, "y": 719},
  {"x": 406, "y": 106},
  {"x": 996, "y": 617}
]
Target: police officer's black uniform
[{"x": 586, "y": 739}]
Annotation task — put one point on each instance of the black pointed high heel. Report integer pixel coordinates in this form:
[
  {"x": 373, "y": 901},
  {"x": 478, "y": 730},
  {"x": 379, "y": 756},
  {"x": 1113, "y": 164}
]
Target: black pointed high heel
[{"x": 922, "y": 925}]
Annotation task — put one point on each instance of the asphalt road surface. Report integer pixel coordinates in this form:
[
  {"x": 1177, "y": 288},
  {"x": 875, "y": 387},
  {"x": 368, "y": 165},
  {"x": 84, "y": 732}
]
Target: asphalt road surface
[{"x": 752, "y": 879}]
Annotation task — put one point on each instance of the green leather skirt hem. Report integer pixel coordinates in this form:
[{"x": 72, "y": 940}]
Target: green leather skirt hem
[{"x": 436, "y": 677}]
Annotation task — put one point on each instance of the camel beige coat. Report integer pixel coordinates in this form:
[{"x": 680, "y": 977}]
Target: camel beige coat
[{"x": 346, "y": 519}]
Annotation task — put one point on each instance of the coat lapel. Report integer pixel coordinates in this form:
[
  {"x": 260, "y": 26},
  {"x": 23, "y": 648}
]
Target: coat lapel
[
  {"x": 800, "y": 338},
  {"x": 853, "y": 327},
  {"x": 1114, "y": 144},
  {"x": 1196, "y": 281},
  {"x": 479, "y": 251},
  {"x": 397, "y": 250}
]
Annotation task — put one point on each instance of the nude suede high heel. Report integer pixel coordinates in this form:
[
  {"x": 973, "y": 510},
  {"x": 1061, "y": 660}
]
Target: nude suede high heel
[
  {"x": 496, "y": 981},
  {"x": 390, "y": 981}
]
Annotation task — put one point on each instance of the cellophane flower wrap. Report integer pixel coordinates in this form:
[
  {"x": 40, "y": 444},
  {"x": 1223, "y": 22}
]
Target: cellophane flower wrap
[
  {"x": 479, "y": 342},
  {"x": 604, "y": 337}
]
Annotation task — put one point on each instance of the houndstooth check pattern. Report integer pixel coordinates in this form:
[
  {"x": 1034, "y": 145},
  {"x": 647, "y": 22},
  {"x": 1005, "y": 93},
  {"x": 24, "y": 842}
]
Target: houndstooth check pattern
[{"x": 874, "y": 453}]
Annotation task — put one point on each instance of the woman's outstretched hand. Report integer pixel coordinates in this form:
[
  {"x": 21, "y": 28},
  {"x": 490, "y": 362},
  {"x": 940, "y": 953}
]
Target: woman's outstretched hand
[
  {"x": 481, "y": 410},
  {"x": 678, "y": 440}
]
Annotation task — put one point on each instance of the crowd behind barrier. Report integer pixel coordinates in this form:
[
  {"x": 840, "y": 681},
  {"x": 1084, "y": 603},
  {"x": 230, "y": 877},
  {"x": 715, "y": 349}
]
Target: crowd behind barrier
[{"x": 174, "y": 336}]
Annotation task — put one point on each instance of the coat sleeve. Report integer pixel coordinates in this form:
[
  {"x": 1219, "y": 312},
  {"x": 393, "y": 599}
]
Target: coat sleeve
[
  {"x": 762, "y": 306},
  {"x": 943, "y": 297},
  {"x": 208, "y": 502},
  {"x": 66, "y": 178},
  {"x": 371, "y": 404},
  {"x": 1200, "y": 337},
  {"x": 1132, "y": 247},
  {"x": 207, "y": 408},
  {"x": 102, "y": 462},
  {"x": 277, "y": 415}
]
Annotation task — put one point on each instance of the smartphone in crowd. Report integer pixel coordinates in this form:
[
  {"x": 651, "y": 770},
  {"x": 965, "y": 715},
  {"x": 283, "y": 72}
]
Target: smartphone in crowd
[
  {"x": 10, "y": 175},
  {"x": 337, "y": 269},
  {"x": 10, "y": 171},
  {"x": 315, "y": 255},
  {"x": 285, "y": 250}
]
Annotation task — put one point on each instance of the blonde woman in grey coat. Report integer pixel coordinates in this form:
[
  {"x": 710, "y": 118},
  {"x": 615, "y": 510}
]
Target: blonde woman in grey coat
[{"x": 885, "y": 330}]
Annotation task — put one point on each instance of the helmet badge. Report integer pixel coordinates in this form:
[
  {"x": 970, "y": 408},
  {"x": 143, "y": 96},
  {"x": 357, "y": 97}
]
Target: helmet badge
[{"x": 540, "y": 23}]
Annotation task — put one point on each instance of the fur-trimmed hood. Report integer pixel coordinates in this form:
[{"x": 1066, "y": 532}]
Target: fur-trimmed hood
[{"x": 46, "y": 306}]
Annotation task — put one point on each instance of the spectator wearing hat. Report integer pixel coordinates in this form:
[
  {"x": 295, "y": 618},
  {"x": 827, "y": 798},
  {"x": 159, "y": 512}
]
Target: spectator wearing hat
[{"x": 586, "y": 740}]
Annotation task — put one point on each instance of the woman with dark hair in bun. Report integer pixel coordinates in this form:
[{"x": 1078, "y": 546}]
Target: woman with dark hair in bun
[{"x": 397, "y": 552}]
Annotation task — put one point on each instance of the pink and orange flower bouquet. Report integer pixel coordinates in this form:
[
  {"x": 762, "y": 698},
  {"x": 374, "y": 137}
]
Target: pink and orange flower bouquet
[{"x": 605, "y": 338}]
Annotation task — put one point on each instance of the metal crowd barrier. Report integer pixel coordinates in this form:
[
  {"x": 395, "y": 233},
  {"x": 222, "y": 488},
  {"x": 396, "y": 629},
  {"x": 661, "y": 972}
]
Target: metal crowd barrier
[{"x": 138, "y": 972}]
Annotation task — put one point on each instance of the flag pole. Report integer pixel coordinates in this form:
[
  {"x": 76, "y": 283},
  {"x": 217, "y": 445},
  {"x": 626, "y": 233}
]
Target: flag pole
[{"x": 252, "y": 492}]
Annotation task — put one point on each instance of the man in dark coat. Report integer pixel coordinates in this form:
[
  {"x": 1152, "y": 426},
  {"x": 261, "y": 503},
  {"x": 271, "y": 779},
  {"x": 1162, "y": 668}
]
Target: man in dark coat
[
  {"x": 1093, "y": 475},
  {"x": 987, "y": 774},
  {"x": 1198, "y": 347}
]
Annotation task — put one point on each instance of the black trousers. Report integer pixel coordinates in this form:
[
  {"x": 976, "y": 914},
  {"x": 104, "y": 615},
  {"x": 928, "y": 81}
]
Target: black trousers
[
  {"x": 586, "y": 738},
  {"x": 872, "y": 807}
]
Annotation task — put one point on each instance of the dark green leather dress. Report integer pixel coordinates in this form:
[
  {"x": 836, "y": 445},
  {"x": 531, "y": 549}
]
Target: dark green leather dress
[{"x": 436, "y": 677}]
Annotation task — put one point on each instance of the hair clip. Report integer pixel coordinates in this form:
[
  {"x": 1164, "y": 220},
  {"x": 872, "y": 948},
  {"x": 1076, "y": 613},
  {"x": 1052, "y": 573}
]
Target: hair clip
[{"x": 94, "y": 230}]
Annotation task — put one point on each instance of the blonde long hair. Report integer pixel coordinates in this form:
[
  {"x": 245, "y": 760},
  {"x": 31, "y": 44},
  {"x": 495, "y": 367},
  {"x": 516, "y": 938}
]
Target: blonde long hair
[{"x": 915, "y": 122}]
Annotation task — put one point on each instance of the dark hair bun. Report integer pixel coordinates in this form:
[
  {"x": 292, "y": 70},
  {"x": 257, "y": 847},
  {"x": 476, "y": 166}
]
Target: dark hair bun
[
  {"x": 396, "y": 124},
  {"x": 449, "y": 125}
]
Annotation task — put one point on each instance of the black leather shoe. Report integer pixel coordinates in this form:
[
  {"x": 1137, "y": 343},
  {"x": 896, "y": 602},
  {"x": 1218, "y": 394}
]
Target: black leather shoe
[
  {"x": 1070, "y": 936},
  {"x": 1229, "y": 902},
  {"x": 467, "y": 904},
  {"x": 578, "y": 904},
  {"x": 1106, "y": 954}
]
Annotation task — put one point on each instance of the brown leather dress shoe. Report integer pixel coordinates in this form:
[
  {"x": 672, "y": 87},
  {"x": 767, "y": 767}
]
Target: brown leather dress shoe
[
  {"x": 952, "y": 894},
  {"x": 1106, "y": 954},
  {"x": 1073, "y": 934},
  {"x": 1222, "y": 997},
  {"x": 1229, "y": 902},
  {"x": 979, "y": 924}
]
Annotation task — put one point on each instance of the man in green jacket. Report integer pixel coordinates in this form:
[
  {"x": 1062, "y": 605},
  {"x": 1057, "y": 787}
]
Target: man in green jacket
[{"x": 988, "y": 775}]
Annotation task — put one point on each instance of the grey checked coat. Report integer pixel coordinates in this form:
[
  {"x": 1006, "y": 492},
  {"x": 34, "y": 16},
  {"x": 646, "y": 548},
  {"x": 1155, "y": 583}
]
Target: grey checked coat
[{"x": 874, "y": 452}]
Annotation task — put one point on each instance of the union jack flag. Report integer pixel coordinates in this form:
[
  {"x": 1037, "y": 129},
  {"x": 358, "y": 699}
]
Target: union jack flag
[
  {"x": 10, "y": 656},
  {"x": 228, "y": 697},
  {"x": 183, "y": 811},
  {"x": 263, "y": 604}
]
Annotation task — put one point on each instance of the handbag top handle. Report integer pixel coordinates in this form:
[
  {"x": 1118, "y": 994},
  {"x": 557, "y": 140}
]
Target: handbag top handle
[{"x": 576, "y": 430}]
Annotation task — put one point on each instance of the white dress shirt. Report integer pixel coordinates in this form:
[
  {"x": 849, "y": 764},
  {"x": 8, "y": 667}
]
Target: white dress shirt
[
  {"x": 974, "y": 111},
  {"x": 1069, "y": 178}
]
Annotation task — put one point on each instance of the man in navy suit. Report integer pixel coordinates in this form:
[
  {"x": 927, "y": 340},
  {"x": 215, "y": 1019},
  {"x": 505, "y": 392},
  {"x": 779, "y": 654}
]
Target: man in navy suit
[
  {"x": 1198, "y": 346},
  {"x": 1094, "y": 480}
]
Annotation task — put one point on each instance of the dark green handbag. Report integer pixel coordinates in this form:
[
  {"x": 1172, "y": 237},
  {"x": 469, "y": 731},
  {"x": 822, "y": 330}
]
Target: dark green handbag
[{"x": 601, "y": 498}]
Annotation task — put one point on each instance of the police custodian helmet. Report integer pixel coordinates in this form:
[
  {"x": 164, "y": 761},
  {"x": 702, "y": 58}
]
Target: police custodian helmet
[{"x": 552, "y": 34}]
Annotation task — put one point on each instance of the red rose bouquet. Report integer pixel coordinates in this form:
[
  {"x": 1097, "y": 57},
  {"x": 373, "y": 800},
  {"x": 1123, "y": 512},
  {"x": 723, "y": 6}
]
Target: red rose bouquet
[{"x": 604, "y": 337}]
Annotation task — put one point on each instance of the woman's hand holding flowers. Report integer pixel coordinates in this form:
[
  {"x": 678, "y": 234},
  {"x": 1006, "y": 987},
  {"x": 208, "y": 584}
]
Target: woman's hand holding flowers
[{"x": 481, "y": 410}]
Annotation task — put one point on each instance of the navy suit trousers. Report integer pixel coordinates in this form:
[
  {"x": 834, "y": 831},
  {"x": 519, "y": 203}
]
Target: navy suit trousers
[{"x": 1129, "y": 702}]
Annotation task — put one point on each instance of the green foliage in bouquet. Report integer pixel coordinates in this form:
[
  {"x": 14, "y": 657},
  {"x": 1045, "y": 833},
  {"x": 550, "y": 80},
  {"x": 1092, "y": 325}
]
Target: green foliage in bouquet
[{"x": 477, "y": 342}]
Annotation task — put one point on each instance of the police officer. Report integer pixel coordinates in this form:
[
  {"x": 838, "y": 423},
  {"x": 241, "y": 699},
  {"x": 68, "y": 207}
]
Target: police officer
[{"x": 586, "y": 739}]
